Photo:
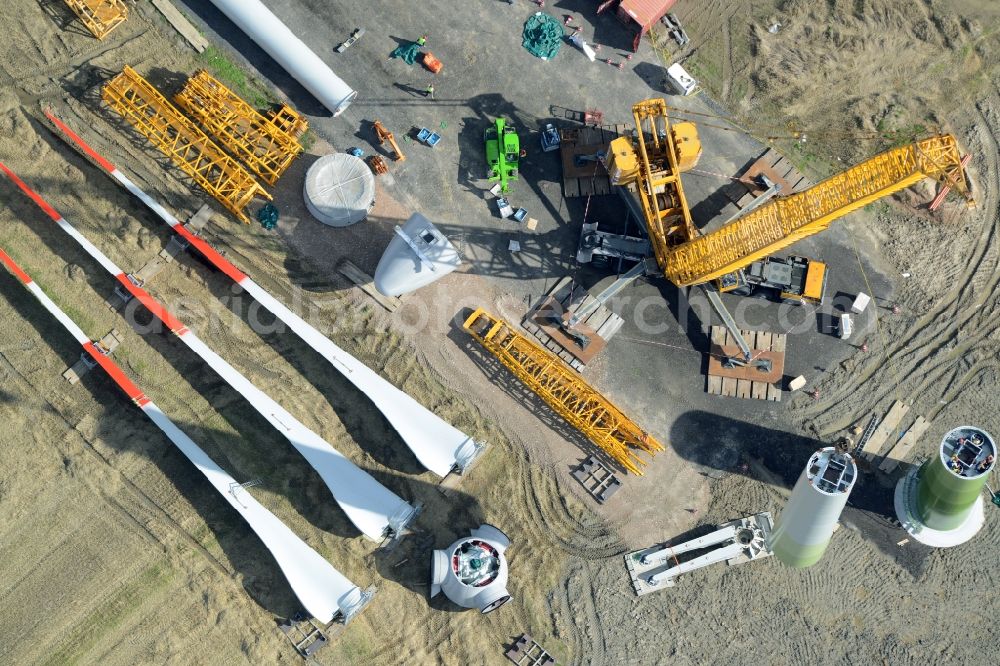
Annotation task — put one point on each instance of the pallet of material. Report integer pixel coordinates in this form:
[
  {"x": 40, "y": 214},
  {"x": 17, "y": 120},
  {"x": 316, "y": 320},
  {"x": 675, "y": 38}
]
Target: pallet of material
[
  {"x": 565, "y": 297},
  {"x": 597, "y": 479},
  {"x": 746, "y": 382},
  {"x": 777, "y": 168},
  {"x": 590, "y": 178},
  {"x": 527, "y": 652},
  {"x": 886, "y": 428},
  {"x": 902, "y": 449}
]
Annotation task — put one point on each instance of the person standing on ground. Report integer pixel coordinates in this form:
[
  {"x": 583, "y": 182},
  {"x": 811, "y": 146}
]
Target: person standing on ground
[
  {"x": 422, "y": 40},
  {"x": 429, "y": 92}
]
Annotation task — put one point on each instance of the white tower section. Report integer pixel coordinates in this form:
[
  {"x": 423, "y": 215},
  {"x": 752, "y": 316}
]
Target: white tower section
[
  {"x": 472, "y": 572},
  {"x": 940, "y": 503},
  {"x": 274, "y": 37},
  {"x": 805, "y": 527}
]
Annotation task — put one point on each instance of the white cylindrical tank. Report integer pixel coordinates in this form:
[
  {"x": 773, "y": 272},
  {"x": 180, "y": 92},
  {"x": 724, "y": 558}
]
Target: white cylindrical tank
[
  {"x": 805, "y": 527},
  {"x": 339, "y": 189},
  {"x": 274, "y": 37},
  {"x": 472, "y": 572}
]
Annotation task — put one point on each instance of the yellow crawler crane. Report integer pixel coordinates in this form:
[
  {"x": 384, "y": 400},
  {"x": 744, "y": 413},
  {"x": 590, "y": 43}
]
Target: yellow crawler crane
[
  {"x": 654, "y": 162},
  {"x": 565, "y": 392},
  {"x": 100, "y": 16},
  {"x": 177, "y": 137},
  {"x": 265, "y": 148}
]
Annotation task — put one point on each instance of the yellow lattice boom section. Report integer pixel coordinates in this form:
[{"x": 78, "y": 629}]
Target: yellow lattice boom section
[
  {"x": 267, "y": 150},
  {"x": 289, "y": 121},
  {"x": 564, "y": 391},
  {"x": 177, "y": 137},
  {"x": 785, "y": 220},
  {"x": 100, "y": 16}
]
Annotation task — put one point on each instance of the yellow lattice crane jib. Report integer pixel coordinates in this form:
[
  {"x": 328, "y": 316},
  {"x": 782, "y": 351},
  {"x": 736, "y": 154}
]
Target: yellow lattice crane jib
[
  {"x": 100, "y": 16},
  {"x": 148, "y": 111},
  {"x": 576, "y": 401},
  {"x": 785, "y": 220},
  {"x": 655, "y": 159},
  {"x": 261, "y": 144}
]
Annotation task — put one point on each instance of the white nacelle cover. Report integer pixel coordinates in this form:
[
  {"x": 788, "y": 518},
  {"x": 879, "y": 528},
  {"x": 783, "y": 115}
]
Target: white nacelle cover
[
  {"x": 416, "y": 256},
  {"x": 472, "y": 572}
]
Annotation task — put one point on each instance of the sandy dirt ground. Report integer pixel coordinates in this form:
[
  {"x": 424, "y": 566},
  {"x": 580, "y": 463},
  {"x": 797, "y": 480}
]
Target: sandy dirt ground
[{"x": 115, "y": 551}]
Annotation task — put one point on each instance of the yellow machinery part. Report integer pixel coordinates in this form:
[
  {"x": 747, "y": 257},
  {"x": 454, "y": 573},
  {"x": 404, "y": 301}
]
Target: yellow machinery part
[
  {"x": 100, "y": 16},
  {"x": 783, "y": 221},
  {"x": 289, "y": 121},
  {"x": 622, "y": 162},
  {"x": 815, "y": 281},
  {"x": 383, "y": 135},
  {"x": 564, "y": 391},
  {"x": 687, "y": 144},
  {"x": 178, "y": 138},
  {"x": 658, "y": 183},
  {"x": 262, "y": 146}
]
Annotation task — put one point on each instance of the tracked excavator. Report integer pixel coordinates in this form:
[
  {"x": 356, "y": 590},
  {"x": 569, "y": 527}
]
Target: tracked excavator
[{"x": 651, "y": 164}]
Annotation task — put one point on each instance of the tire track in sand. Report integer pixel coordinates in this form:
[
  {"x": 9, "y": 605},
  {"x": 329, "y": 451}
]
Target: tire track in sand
[{"x": 964, "y": 311}]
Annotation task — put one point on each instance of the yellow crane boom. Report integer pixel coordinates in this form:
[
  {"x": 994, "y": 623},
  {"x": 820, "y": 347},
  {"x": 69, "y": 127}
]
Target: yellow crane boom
[
  {"x": 565, "y": 391},
  {"x": 654, "y": 161},
  {"x": 782, "y": 221}
]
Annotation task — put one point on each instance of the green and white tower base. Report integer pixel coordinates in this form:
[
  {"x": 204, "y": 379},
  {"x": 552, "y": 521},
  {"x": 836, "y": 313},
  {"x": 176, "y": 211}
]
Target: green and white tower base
[
  {"x": 805, "y": 527},
  {"x": 940, "y": 503}
]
